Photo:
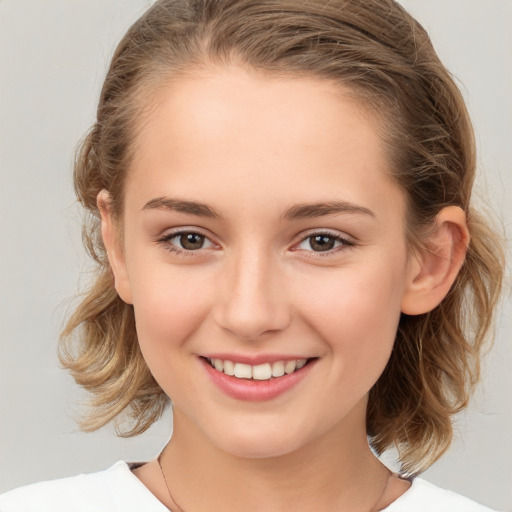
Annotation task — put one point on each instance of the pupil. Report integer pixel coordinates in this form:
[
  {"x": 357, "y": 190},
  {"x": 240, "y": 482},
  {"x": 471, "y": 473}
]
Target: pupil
[
  {"x": 191, "y": 241},
  {"x": 321, "y": 242}
]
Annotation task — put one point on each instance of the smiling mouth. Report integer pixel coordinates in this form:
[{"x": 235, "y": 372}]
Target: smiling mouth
[{"x": 265, "y": 371}]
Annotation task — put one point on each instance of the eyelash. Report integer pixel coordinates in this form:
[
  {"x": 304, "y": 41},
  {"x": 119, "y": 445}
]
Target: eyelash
[
  {"x": 166, "y": 242},
  {"x": 345, "y": 243}
]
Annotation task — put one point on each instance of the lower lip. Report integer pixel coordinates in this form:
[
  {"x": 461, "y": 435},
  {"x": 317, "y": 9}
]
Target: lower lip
[{"x": 256, "y": 390}]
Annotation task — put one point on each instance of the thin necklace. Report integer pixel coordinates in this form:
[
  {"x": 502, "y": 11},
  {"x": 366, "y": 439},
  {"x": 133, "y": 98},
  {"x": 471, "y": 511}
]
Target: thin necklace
[{"x": 179, "y": 509}]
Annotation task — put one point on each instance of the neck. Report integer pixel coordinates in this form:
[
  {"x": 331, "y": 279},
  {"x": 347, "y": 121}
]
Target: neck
[{"x": 335, "y": 472}]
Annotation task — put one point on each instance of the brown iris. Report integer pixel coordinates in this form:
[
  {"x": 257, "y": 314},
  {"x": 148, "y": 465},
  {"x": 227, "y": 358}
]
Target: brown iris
[
  {"x": 322, "y": 242},
  {"x": 191, "y": 241}
]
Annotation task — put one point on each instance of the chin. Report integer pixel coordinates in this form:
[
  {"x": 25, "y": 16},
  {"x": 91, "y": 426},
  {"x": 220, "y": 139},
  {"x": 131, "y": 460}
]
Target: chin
[
  {"x": 261, "y": 440},
  {"x": 259, "y": 449}
]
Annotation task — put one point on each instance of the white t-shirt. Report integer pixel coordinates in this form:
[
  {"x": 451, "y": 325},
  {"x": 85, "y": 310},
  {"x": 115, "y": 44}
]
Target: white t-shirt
[{"x": 117, "y": 489}]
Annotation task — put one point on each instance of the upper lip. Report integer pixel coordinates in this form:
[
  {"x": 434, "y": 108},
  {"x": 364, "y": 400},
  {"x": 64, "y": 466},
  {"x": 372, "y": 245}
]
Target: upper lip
[{"x": 255, "y": 359}]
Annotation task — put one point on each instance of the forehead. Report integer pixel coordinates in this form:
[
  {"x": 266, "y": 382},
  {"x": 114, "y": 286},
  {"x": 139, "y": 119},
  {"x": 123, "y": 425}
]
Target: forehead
[
  {"x": 245, "y": 131},
  {"x": 253, "y": 97}
]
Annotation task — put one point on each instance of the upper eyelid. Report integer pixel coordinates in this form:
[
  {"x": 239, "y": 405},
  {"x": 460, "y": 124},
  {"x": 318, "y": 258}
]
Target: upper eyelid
[{"x": 173, "y": 232}]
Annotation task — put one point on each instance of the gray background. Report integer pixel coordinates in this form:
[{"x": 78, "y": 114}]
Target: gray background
[{"x": 53, "y": 56}]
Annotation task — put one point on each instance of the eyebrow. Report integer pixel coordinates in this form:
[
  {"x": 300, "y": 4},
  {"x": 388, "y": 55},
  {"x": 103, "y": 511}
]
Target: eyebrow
[
  {"x": 307, "y": 210},
  {"x": 298, "y": 211},
  {"x": 178, "y": 205}
]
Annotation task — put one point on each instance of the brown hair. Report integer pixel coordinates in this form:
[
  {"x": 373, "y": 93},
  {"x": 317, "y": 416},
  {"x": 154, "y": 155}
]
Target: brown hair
[{"x": 385, "y": 57}]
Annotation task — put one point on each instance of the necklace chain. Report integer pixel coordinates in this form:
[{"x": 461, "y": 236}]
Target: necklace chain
[{"x": 179, "y": 509}]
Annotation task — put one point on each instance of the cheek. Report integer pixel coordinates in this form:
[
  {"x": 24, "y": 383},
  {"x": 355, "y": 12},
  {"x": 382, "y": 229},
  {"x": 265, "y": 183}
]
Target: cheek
[
  {"x": 356, "y": 312},
  {"x": 170, "y": 305}
]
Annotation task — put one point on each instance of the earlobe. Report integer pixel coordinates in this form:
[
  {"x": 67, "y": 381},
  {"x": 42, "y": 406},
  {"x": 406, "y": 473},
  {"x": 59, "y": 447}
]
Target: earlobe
[
  {"x": 113, "y": 246},
  {"x": 434, "y": 268}
]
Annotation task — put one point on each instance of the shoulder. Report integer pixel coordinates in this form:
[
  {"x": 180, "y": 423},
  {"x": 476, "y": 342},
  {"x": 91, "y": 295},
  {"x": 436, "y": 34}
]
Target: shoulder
[
  {"x": 423, "y": 496},
  {"x": 115, "y": 489}
]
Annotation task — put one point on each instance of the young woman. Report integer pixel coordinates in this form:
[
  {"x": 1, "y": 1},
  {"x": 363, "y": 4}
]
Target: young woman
[{"x": 280, "y": 200}]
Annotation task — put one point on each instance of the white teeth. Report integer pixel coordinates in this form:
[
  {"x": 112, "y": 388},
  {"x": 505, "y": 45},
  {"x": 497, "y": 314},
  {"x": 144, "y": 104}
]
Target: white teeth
[
  {"x": 263, "y": 371},
  {"x": 229, "y": 368},
  {"x": 243, "y": 371},
  {"x": 290, "y": 366},
  {"x": 301, "y": 363},
  {"x": 278, "y": 369}
]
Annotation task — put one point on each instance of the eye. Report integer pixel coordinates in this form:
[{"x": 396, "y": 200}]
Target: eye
[
  {"x": 186, "y": 241},
  {"x": 323, "y": 242},
  {"x": 189, "y": 241}
]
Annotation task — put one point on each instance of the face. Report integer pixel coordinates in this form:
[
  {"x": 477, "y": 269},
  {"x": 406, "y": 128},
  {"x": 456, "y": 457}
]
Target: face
[{"x": 263, "y": 235}]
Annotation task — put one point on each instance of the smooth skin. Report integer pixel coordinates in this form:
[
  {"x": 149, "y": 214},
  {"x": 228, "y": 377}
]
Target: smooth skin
[{"x": 235, "y": 174}]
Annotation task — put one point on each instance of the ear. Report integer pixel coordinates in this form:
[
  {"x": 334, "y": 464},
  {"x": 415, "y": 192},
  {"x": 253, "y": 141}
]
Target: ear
[
  {"x": 434, "y": 268},
  {"x": 114, "y": 247}
]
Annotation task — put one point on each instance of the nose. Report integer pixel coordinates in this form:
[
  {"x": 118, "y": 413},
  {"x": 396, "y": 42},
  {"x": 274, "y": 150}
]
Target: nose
[{"x": 252, "y": 299}]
